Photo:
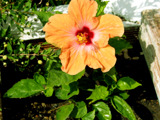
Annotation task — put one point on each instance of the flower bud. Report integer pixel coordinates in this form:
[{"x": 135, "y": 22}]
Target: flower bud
[
  {"x": 4, "y": 64},
  {"x": 27, "y": 56},
  {"x": 4, "y": 57},
  {"x": 5, "y": 45},
  {"x": 47, "y": 3},
  {"x": 6, "y": 38},
  {"x": 40, "y": 62},
  {"x": 21, "y": 49}
]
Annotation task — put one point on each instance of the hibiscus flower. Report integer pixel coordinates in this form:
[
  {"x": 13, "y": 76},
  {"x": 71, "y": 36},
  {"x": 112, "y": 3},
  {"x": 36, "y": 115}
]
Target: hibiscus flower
[{"x": 83, "y": 38}]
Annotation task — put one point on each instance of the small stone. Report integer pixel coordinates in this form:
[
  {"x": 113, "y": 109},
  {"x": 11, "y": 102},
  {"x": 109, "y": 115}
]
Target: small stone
[
  {"x": 44, "y": 111},
  {"x": 35, "y": 103},
  {"x": 22, "y": 118},
  {"x": 144, "y": 100},
  {"x": 50, "y": 118},
  {"x": 126, "y": 56},
  {"x": 43, "y": 104},
  {"x": 49, "y": 112},
  {"x": 141, "y": 53},
  {"x": 46, "y": 117},
  {"x": 135, "y": 58}
]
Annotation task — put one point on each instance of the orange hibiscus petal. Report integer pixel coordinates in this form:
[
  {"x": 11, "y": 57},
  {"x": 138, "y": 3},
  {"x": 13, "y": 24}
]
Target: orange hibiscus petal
[
  {"x": 109, "y": 26},
  {"x": 83, "y": 11},
  {"x": 60, "y": 30},
  {"x": 103, "y": 58},
  {"x": 72, "y": 58}
]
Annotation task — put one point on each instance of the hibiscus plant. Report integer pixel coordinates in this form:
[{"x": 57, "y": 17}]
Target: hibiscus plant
[{"x": 80, "y": 67}]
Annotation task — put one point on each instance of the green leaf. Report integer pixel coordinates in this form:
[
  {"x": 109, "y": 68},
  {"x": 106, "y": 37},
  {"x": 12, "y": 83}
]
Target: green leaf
[
  {"x": 100, "y": 92},
  {"x": 110, "y": 76},
  {"x": 124, "y": 95},
  {"x": 44, "y": 58},
  {"x": 34, "y": 8},
  {"x": 9, "y": 48},
  {"x": 32, "y": 57},
  {"x": 1, "y": 51},
  {"x": 103, "y": 110},
  {"x": 127, "y": 83},
  {"x": 39, "y": 79},
  {"x": 49, "y": 92},
  {"x": 4, "y": 17},
  {"x": 79, "y": 110},
  {"x": 24, "y": 88},
  {"x": 10, "y": 57},
  {"x": 64, "y": 111},
  {"x": 119, "y": 44},
  {"x": 28, "y": 5},
  {"x": 22, "y": 45},
  {"x": 101, "y": 7},
  {"x": 58, "y": 52},
  {"x": 48, "y": 65},
  {"x": 29, "y": 46},
  {"x": 3, "y": 32},
  {"x": 67, "y": 91},
  {"x": 89, "y": 116},
  {"x": 20, "y": 6},
  {"x": 112, "y": 73},
  {"x": 58, "y": 12},
  {"x": 37, "y": 48},
  {"x": 48, "y": 50},
  {"x": 122, "y": 107},
  {"x": 45, "y": 43},
  {"x": 43, "y": 16},
  {"x": 23, "y": 19},
  {"x": 57, "y": 77}
]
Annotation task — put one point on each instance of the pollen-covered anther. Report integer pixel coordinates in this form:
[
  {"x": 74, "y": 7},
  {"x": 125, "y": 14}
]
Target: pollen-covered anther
[{"x": 82, "y": 38}]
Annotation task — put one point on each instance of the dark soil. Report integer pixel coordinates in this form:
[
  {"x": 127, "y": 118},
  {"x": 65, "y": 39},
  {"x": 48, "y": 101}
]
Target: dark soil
[{"x": 130, "y": 63}]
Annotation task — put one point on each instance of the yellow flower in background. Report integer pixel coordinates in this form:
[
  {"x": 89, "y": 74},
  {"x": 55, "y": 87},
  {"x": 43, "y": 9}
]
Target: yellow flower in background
[{"x": 83, "y": 38}]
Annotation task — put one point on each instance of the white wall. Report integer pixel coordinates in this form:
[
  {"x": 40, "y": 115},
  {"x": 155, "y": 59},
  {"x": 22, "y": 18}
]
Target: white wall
[{"x": 131, "y": 9}]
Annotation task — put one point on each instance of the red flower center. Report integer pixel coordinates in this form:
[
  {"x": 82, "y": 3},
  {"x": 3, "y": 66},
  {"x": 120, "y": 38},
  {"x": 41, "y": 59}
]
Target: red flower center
[{"x": 84, "y": 36}]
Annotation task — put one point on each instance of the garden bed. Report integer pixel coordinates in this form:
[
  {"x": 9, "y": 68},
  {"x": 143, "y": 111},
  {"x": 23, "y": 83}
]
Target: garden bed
[{"x": 130, "y": 63}]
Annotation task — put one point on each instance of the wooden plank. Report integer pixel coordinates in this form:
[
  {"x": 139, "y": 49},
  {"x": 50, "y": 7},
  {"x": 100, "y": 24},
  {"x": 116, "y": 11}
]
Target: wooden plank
[{"x": 149, "y": 37}]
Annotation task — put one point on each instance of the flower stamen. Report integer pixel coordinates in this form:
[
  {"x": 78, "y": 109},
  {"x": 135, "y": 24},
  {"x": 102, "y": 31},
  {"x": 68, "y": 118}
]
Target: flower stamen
[{"x": 82, "y": 38}]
